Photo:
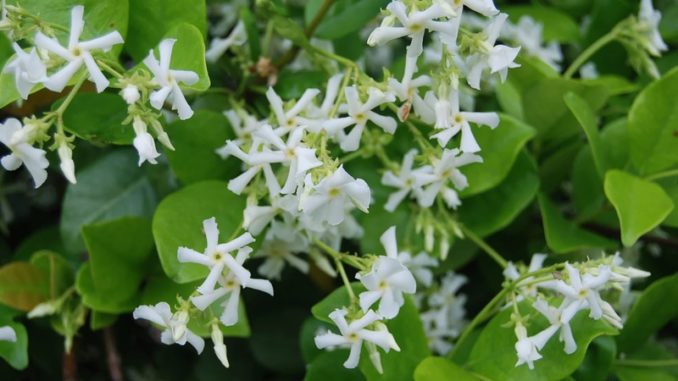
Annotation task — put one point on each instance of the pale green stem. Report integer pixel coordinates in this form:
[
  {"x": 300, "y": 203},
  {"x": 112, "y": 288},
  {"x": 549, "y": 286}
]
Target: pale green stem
[
  {"x": 483, "y": 245},
  {"x": 589, "y": 52}
]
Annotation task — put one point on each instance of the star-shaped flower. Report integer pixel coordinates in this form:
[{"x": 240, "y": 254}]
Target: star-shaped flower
[{"x": 18, "y": 139}]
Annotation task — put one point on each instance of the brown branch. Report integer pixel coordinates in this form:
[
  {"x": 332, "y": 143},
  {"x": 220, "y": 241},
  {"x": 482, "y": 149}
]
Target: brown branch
[
  {"x": 112, "y": 356},
  {"x": 70, "y": 365}
]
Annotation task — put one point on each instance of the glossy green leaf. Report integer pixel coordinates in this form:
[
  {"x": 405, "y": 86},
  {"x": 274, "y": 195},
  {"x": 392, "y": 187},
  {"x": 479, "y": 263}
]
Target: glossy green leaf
[
  {"x": 643, "y": 374},
  {"x": 641, "y": 205},
  {"x": 587, "y": 186},
  {"x": 650, "y": 312},
  {"x": 653, "y": 126},
  {"x": 15, "y": 353},
  {"x": 57, "y": 269},
  {"x": 23, "y": 285},
  {"x": 558, "y": 26},
  {"x": 616, "y": 145},
  {"x": 101, "y": 17},
  {"x": 43, "y": 239},
  {"x": 109, "y": 188},
  {"x": 195, "y": 141},
  {"x": 501, "y": 147},
  {"x": 98, "y": 118},
  {"x": 510, "y": 93},
  {"x": 587, "y": 119},
  {"x": 99, "y": 320},
  {"x": 150, "y": 20},
  {"x": 670, "y": 186},
  {"x": 178, "y": 222},
  {"x": 96, "y": 300},
  {"x": 118, "y": 249},
  {"x": 598, "y": 361},
  {"x": 563, "y": 236},
  {"x": 493, "y": 356},
  {"x": 440, "y": 369},
  {"x": 496, "y": 208}
]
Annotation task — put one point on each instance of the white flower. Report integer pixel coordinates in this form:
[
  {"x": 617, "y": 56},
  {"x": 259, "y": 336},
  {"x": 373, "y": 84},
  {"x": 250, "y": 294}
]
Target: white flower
[
  {"x": 219, "y": 346},
  {"x": 169, "y": 80},
  {"x": 451, "y": 120},
  {"x": 77, "y": 53},
  {"x": 217, "y": 257},
  {"x": 28, "y": 70},
  {"x": 408, "y": 180},
  {"x": 130, "y": 94},
  {"x": 526, "y": 286},
  {"x": 589, "y": 71},
  {"x": 358, "y": 115},
  {"x": 387, "y": 280},
  {"x": 219, "y": 46},
  {"x": 282, "y": 245},
  {"x": 144, "y": 142},
  {"x": 322, "y": 113},
  {"x": 497, "y": 58},
  {"x": 527, "y": 348},
  {"x": 243, "y": 125},
  {"x": 238, "y": 184},
  {"x": 447, "y": 169},
  {"x": 625, "y": 274},
  {"x": 293, "y": 152},
  {"x": 528, "y": 34},
  {"x": 420, "y": 265},
  {"x": 406, "y": 90},
  {"x": 230, "y": 285},
  {"x": 585, "y": 289},
  {"x": 328, "y": 198},
  {"x": 484, "y": 7},
  {"x": 289, "y": 119},
  {"x": 67, "y": 165},
  {"x": 560, "y": 318},
  {"x": 650, "y": 18},
  {"x": 7, "y": 333},
  {"x": 18, "y": 138},
  {"x": 174, "y": 325},
  {"x": 413, "y": 25},
  {"x": 353, "y": 335}
]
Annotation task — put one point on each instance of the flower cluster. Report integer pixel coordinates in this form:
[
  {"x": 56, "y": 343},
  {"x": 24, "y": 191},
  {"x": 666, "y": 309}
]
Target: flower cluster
[
  {"x": 225, "y": 278},
  {"x": 54, "y": 65},
  {"x": 386, "y": 282},
  {"x": 579, "y": 288},
  {"x": 443, "y": 312}
]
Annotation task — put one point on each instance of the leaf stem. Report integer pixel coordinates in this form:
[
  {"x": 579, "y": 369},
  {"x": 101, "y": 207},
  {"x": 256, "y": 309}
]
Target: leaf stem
[
  {"x": 484, "y": 245},
  {"x": 662, "y": 175},
  {"x": 344, "y": 278},
  {"x": 590, "y": 51}
]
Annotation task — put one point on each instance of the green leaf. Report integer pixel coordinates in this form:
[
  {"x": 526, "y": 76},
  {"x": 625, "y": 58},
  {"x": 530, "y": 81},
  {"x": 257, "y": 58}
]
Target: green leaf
[
  {"x": 558, "y": 26},
  {"x": 328, "y": 366},
  {"x": 111, "y": 187},
  {"x": 440, "y": 369},
  {"x": 189, "y": 54},
  {"x": 351, "y": 18},
  {"x": 178, "y": 222},
  {"x": 118, "y": 250},
  {"x": 563, "y": 236},
  {"x": 252, "y": 31},
  {"x": 309, "y": 351},
  {"x": 6, "y": 50},
  {"x": 57, "y": 269},
  {"x": 195, "y": 141},
  {"x": 42, "y": 239},
  {"x": 546, "y": 110},
  {"x": 587, "y": 119},
  {"x": 15, "y": 353},
  {"x": 670, "y": 186},
  {"x": 587, "y": 186},
  {"x": 23, "y": 285},
  {"x": 493, "y": 356},
  {"x": 653, "y": 126},
  {"x": 500, "y": 150},
  {"x": 98, "y": 118},
  {"x": 338, "y": 298},
  {"x": 643, "y": 374},
  {"x": 615, "y": 139},
  {"x": 99, "y": 320},
  {"x": 641, "y": 205},
  {"x": 598, "y": 360},
  {"x": 492, "y": 210},
  {"x": 293, "y": 84},
  {"x": 101, "y": 17},
  {"x": 287, "y": 28},
  {"x": 150, "y": 20},
  {"x": 95, "y": 300},
  {"x": 651, "y": 312}
]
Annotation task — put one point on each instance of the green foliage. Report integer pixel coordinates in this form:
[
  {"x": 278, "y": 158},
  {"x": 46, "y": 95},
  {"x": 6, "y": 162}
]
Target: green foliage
[
  {"x": 16, "y": 354},
  {"x": 493, "y": 355},
  {"x": 117, "y": 249},
  {"x": 109, "y": 188},
  {"x": 563, "y": 236},
  {"x": 178, "y": 222},
  {"x": 98, "y": 118},
  {"x": 490, "y": 211},
  {"x": 440, "y": 369},
  {"x": 195, "y": 141},
  {"x": 345, "y": 16},
  {"x": 641, "y": 205},
  {"x": 653, "y": 126},
  {"x": 501, "y": 147},
  {"x": 23, "y": 285},
  {"x": 150, "y": 20},
  {"x": 650, "y": 312}
]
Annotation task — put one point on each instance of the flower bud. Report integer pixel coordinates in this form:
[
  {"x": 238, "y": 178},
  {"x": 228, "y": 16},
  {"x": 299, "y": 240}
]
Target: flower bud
[
  {"x": 67, "y": 166},
  {"x": 130, "y": 94}
]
